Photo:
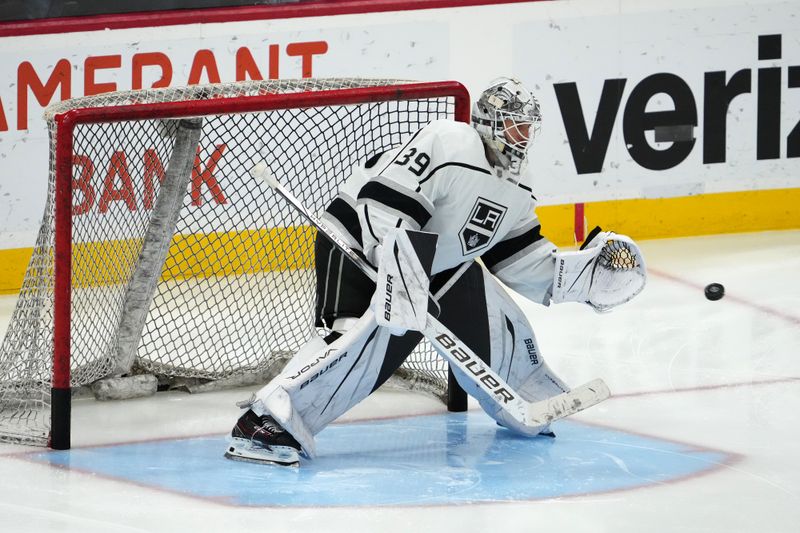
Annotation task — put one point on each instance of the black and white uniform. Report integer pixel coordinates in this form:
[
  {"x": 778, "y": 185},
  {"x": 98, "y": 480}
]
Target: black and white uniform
[{"x": 437, "y": 181}]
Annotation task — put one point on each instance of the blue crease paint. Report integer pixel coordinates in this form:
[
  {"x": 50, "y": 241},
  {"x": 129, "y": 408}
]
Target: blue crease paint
[{"x": 428, "y": 460}]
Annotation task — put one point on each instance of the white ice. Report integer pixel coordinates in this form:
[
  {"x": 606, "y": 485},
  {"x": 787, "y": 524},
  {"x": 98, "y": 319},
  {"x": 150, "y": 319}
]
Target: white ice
[{"x": 722, "y": 375}]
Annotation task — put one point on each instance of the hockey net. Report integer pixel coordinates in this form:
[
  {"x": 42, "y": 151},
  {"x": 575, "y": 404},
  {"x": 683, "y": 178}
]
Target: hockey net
[{"x": 166, "y": 258}]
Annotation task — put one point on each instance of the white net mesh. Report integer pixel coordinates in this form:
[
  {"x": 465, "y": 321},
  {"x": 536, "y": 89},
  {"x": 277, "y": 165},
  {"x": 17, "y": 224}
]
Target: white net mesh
[{"x": 235, "y": 295}]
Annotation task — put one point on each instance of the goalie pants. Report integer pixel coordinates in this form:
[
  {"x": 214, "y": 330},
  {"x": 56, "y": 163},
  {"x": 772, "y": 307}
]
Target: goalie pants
[{"x": 325, "y": 379}]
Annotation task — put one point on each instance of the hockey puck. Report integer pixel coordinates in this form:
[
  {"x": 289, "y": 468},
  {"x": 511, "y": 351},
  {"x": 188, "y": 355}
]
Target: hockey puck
[{"x": 714, "y": 291}]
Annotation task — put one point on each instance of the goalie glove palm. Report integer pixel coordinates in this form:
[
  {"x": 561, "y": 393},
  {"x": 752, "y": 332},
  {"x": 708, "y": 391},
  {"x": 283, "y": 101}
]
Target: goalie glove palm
[{"x": 607, "y": 272}]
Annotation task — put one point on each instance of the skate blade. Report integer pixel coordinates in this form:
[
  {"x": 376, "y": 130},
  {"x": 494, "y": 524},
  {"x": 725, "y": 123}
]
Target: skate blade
[
  {"x": 278, "y": 455},
  {"x": 243, "y": 459}
]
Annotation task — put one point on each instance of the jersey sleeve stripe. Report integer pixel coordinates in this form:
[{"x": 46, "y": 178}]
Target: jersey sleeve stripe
[
  {"x": 526, "y": 188},
  {"x": 346, "y": 217},
  {"x": 453, "y": 164},
  {"x": 531, "y": 224},
  {"x": 373, "y": 160},
  {"x": 414, "y": 209},
  {"x": 499, "y": 254}
]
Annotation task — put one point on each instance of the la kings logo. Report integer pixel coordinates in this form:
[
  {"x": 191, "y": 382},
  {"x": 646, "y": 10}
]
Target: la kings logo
[{"x": 483, "y": 221}]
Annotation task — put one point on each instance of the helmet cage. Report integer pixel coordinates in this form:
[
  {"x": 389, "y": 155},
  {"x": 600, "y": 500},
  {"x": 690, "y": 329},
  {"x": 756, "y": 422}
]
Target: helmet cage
[
  {"x": 517, "y": 131},
  {"x": 508, "y": 118}
]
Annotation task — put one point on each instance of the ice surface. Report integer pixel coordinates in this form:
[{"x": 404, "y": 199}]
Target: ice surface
[{"x": 700, "y": 435}]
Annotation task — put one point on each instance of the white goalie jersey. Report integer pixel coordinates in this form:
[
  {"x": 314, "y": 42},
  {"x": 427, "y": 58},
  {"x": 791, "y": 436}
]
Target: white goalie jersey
[{"x": 439, "y": 181}]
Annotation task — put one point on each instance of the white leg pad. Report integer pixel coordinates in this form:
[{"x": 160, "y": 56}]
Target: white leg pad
[
  {"x": 275, "y": 401},
  {"x": 516, "y": 356},
  {"x": 312, "y": 346},
  {"x": 323, "y": 381}
]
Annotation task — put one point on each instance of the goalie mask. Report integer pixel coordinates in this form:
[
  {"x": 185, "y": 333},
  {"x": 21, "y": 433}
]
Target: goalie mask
[{"x": 508, "y": 118}]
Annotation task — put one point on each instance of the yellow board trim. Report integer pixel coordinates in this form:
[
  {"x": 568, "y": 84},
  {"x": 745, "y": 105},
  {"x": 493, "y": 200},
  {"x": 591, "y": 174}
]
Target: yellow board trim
[
  {"x": 688, "y": 216},
  {"x": 199, "y": 255},
  {"x": 233, "y": 253}
]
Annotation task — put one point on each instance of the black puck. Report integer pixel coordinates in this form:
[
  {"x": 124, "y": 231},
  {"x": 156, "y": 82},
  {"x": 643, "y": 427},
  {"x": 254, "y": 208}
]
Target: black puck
[{"x": 715, "y": 291}]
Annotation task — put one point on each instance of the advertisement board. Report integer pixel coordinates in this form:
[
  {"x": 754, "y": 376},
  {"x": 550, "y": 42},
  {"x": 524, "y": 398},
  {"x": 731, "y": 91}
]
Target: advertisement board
[{"x": 641, "y": 101}]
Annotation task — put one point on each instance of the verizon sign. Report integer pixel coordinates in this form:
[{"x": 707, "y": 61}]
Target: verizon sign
[
  {"x": 589, "y": 142},
  {"x": 660, "y": 107},
  {"x": 640, "y": 99}
]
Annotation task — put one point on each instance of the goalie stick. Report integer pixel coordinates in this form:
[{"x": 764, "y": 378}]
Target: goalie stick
[{"x": 531, "y": 414}]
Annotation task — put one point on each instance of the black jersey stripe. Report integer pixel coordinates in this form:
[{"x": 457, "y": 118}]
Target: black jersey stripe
[
  {"x": 394, "y": 199},
  {"x": 453, "y": 164},
  {"x": 373, "y": 160},
  {"x": 505, "y": 249},
  {"x": 347, "y": 217},
  {"x": 525, "y": 187}
]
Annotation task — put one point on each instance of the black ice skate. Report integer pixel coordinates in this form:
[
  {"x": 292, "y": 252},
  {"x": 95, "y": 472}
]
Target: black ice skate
[{"x": 259, "y": 439}]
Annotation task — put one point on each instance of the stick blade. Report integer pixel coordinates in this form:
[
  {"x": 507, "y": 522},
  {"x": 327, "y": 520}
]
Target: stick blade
[{"x": 568, "y": 403}]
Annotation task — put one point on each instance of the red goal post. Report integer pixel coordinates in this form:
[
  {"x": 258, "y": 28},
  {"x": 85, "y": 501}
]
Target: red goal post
[{"x": 413, "y": 104}]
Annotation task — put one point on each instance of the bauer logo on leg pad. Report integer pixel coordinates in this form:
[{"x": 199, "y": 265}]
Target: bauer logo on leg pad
[
  {"x": 476, "y": 367},
  {"x": 480, "y": 227},
  {"x": 387, "y": 304},
  {"x": 532, "y": 354}
]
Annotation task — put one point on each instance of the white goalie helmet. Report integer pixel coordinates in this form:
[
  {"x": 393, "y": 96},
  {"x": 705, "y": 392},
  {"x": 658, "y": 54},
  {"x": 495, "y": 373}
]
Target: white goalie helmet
[{"x": 507, "y": 117}]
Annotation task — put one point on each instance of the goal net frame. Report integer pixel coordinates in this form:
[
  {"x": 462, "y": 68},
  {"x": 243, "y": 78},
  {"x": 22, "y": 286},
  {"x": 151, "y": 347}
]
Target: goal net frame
[{"x": 66, "y": 118}]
